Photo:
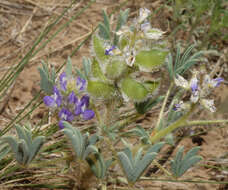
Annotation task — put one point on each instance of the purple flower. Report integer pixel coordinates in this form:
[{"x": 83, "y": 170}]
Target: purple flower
[
  {"x": 218, "y": 81},
  {"x": 81, "y": 84},
  {"x": 72, "y": 98},
  {"x": 54, "y": 100},
  {"x": 82, "y": 108},
  {"x": 65, "y": 115},
  {"x": 109, "y": 50},
  {"x": 194, "y": 84},
  {"x": 63, "y": 81}
]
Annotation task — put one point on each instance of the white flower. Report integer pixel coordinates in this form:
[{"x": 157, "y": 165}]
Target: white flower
[
  {"x": 129, "y": 55},
  {"x": 208, "y": 104},
  {"x": 180, "y": 81},
  {"x": 143, "y": 14},
  {"x": 211, "y": 83},
  {"x": 123, "y": 31}
]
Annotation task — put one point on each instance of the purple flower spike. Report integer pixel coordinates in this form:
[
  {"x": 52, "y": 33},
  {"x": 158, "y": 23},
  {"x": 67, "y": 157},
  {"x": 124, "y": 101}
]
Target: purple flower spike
[
  {"x": 81, "y": 84},
  {"x": 54, "y": 100},
  {"x": 218, "y": 81},
  {"x": 57, "y": 96},
  {"x": 82, "y": 108},
  {"x": 72, "y": 98},
  {"x": 63, "y": 81},
  {"x": 88, "y": 114},
  {"x": 85, "y": 101},
  {"x": 109, "y": 50},
  {"x": 49, "y": 101},
  {"x": 65, "y": 115}
]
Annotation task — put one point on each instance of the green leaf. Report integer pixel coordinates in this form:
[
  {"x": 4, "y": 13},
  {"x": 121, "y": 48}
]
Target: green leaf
[
  {"x": 143, "y": 165},
  {"x": 150, "y": 60},
  {"x": 106, "y": 20},
  {"x": 186, "y": 165},
  {"x": 147, "y": 105},
  {"x": 89, "y": 150},
  {"x": 122, "y": 19},
  {"x": 69, "y": 68},
  {"x": 4, "y": 150},
  {"x": 99, "y": 49},
  {"x": 23, "y": 152},
  {"x": 86, "y": 66},
  {"x": 45, "y": 84},
  {"x": 115, "y": 69},
  {"x": 104, "y": 32},
  {"x": 151, "y": 86},
  {"x": 12, "y": 143},
  {"x": 97, "y": 165},
  {"x": 100, "y": 89},
  {"x": 35, "y": 147},
  {"x": 134, "y": 90},
  {"x": 156, "y": 148},
  {"x": 126, "y": 165},
  {"x": 97, "y": 72}
]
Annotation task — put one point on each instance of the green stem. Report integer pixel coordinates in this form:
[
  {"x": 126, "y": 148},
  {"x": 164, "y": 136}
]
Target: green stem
[
  {"x": 205, "y": 122},
  {"x": 163, "y": 107},
  {"x": 163, "y": 132}
]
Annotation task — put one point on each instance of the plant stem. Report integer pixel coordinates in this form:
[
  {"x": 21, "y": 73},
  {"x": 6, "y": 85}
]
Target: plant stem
[
  {"x": 205, "y": 122},
  {"x": 162, "y": 168},
  {"x": 180, "y": 122},
  {"x": 163, "y": 107}
]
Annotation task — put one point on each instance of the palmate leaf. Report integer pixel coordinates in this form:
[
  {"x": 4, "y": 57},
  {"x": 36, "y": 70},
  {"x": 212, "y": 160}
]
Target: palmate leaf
[
  {"x": 179, "y": 166},
  {"x": 183, "y": 61},
  {"x": 25, "y": 149},
  {"x": 35, "y": 147},
  {"x": 134, "y": 167},
  {"x": 83, "y": 145}
]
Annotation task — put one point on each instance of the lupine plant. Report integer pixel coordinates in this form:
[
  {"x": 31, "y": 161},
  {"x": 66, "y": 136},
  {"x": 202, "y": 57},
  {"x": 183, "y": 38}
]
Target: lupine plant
[
  {"x": 109, "y": 78},
  {"x": 109, "y": 81}
]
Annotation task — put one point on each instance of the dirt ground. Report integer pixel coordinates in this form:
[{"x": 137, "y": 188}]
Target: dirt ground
[{"x": 21, "y": 21}]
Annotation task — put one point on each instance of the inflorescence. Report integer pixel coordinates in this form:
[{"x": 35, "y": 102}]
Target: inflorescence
[{"x": 69, "y": 99}]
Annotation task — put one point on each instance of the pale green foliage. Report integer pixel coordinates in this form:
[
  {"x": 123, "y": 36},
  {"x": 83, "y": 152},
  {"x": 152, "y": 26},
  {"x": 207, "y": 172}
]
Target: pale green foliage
[
  {"x": 98, "y": 165},
  {"x": 85, "y": 149},
  {"x": 134, "y": 166},
  {"x": 47, "y": 79},
  {"x": 82, "y": 145},
  {"x": 181, "y": 164},
  {"x": 4, "y": 150},
  {"x": 183, "y": 61},
  {"x": 25, "y": 148}
]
